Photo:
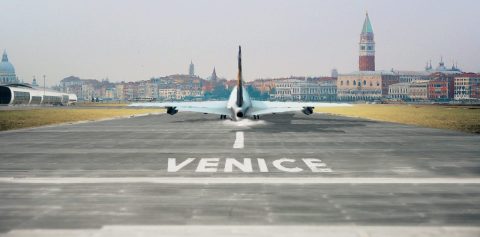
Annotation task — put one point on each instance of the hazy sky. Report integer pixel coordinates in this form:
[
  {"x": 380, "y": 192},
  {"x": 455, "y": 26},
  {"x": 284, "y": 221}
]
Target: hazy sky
[{"x": 135, "y": 40}]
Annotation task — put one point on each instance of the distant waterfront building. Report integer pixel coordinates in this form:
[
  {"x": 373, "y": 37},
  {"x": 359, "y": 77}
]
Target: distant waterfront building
[
  {"x": 179, "y": 94},
  {"x": 410, "y": 76},
  {"x": 74, "y": 85},
  {"x": 441, "y": 87},
  {"x": 120, "y": 91},
  {"x": 367, "y": 47},
  {"x": 399, "y": 91},
  {"x": 293, "y": 89},
  {"x": 191, "y": 69},
  {"x": 300, "y": 89},
  {"x": 418, "y": 90},
  {"x": 467, "y": 86},
  {"x": 167, "y": 93},
  {"x": 131, "y": 91},
  {"x": 442, "y": 68},
  {"x": 147, "y": 91},
  {"x": 110, "y": 93},
  {"x": 328, "y": 91},
  {"x": 69, "y": 82},
  {"x": 7, "y": 71},
  {"x": 365, "y": 85}
]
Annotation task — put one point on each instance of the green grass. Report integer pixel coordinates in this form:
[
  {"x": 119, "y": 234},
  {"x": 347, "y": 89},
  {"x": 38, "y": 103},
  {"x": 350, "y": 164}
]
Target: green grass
[
  {"x": 24, "y": 118},
  {"x": 462, "y": 118}
]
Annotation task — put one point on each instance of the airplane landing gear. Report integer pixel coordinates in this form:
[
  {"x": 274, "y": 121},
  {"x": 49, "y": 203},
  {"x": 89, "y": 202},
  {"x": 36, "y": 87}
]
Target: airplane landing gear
[
  {"x": 223, "y": 116},
  {"x": 255, "y": 117}
]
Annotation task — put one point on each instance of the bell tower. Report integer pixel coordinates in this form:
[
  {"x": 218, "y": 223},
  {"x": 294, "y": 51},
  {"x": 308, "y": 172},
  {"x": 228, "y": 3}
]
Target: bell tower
[
  {"x": 191, "y": 69},
  {"x": 367, "y": 47}
]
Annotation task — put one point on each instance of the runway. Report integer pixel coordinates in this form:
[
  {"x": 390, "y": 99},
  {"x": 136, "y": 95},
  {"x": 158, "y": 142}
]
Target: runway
[{"x": 193, "y": 174}]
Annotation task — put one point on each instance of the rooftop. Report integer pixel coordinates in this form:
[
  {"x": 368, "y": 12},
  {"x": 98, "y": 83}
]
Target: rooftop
[
  {"x": 368, "y": 73},
  {"x": 367, "y": 26}
]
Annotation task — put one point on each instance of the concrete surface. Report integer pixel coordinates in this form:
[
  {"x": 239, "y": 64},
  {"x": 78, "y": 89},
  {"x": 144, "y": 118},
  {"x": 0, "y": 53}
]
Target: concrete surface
[{"x": 289, "y": 174}]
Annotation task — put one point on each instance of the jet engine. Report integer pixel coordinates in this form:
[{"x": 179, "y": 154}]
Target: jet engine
[
  {"x": 307, "y": 110},
  {"x": 172, "y": 110}
]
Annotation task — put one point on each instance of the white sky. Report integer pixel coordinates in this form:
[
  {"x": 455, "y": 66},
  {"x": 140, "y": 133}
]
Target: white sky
[{"x": 135, "y": 40}]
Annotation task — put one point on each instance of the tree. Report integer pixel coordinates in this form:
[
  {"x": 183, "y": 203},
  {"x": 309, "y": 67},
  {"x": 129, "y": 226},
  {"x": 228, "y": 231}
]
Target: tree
[
  {"x": 257, "y": 94},
  {"x": 218, "y": 92}
]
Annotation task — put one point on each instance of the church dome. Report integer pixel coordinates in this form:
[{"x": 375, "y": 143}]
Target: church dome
[{"x": 5, "y": 66}]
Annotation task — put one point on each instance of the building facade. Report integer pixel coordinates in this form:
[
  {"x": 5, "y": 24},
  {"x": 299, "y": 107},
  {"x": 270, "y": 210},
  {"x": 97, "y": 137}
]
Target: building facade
[
  {"x": 328, "y": 91},
  {"x": 364, "y": 85},
  {"x": 467, "y": 86},
  {"x": 441, "y": 87},
  {"x": 296, "y": 90},
  {"x": 410, "y": 76},
  {"x": 418, "y": 90},
  {"x": 399, "y": 91}
]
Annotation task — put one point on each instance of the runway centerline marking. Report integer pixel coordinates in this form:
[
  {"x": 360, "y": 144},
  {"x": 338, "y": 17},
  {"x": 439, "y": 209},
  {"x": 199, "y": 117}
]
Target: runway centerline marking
[
  {"x": 239, "y": 140},
  {"x": 237, "y": 180}
]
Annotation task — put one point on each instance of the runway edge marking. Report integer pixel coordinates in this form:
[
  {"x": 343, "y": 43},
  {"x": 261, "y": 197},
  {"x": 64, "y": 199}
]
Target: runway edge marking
[
  {"x": 237, "y": 180},
  {"x": 254, "y": 230}
]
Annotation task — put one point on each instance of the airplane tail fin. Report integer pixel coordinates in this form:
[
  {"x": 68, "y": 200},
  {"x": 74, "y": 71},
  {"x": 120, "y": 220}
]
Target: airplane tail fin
[{"x": 239, "y": 79}]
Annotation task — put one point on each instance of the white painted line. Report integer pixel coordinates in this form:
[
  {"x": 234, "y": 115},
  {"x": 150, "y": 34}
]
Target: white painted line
[
  {"x": 252, "y": 230},
  {"x": 238, "y": 180},
  {"x": 239, "y": 141}
]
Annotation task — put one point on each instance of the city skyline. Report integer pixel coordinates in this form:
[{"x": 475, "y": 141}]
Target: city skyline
[{"x": 129, "y": 42}]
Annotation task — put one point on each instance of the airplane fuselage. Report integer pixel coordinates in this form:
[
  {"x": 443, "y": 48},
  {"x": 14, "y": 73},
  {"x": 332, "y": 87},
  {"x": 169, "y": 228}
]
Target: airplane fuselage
[{"x": 238, "y": 112}]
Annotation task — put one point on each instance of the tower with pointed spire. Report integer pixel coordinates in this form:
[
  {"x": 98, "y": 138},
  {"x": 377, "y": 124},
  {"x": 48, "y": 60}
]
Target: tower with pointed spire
[
  {"x": 367, "y": 47},
  {"x": 191, "y": 69},
  {"x": 213, "y": 77}
]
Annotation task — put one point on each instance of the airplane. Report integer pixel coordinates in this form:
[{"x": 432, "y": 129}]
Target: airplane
[{"x": 239, "y": 105}]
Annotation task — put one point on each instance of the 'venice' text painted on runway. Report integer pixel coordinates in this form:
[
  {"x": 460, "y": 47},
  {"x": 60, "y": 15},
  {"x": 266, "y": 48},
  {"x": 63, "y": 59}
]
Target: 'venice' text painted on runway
[{"x": 248, "y": 165}]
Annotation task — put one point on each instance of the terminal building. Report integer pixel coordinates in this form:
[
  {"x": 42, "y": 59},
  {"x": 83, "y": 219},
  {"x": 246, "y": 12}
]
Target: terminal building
[
  {"x": 14, "y": 93},
  {"x": 21, "y": 94}
]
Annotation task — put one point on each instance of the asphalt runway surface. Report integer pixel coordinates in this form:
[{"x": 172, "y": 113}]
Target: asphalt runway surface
[{"x": 284, "y": 175}]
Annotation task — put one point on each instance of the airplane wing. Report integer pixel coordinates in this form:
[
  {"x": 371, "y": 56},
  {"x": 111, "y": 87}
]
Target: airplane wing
[
  {"x": 269, "y": 107},
  {"x": 210, "y": 107}
]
